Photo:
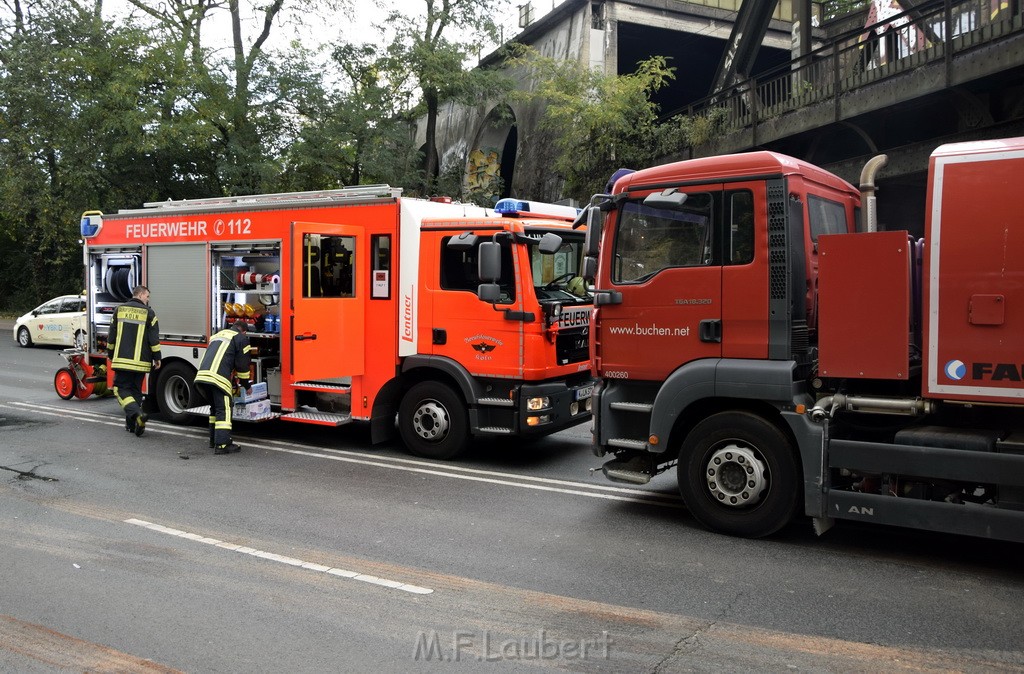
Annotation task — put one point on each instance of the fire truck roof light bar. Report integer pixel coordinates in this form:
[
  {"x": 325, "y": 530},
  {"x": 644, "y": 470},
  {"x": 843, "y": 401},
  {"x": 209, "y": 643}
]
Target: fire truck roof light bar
[
  {"x": 360, "y": 192},
  {"x": 519, "y": 207}
]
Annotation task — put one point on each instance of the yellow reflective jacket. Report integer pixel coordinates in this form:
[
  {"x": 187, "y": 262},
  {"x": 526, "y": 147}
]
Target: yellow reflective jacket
[
  {"x": 227, "y": 351},
  {"x": 133, "y": 342}
]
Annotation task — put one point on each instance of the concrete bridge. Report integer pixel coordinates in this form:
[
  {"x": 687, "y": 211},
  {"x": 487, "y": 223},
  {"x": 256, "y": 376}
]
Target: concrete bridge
[{"x": 878, "y": 80}]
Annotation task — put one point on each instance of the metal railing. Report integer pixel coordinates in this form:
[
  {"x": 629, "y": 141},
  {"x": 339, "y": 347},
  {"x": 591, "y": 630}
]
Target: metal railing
[{"x": 933, "y": 32}]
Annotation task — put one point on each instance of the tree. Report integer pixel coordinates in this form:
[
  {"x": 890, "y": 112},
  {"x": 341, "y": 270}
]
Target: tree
[
  {"x": 359, "y": 134},
  {"x": 246, "y": 96},
  {"x": 597, "y": 123},
  {"x": 82, "y": 123},
  {"x": 435, "y": 59}
]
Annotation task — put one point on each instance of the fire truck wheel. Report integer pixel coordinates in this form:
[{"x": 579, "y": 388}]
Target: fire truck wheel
[
  {"x": 738, "y": 475},
  {"x": 433, "y": 422},
  {"x": 24, "y": 338},
  {"x": 176, "y": 392},
  {"x": 64, "y": 382}
]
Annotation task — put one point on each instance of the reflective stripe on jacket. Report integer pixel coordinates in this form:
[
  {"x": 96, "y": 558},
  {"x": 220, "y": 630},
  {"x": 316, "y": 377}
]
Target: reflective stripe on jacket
[
  {"x": 227, "y": 351},
  {"x": 133, "y": 342}
]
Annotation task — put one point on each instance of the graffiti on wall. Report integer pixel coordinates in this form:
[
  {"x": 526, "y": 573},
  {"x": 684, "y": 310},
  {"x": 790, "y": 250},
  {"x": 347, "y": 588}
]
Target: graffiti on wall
[{"x": 483, "y": 173}]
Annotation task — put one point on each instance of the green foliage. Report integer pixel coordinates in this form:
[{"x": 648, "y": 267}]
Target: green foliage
[{"x": 597, "y": 122}]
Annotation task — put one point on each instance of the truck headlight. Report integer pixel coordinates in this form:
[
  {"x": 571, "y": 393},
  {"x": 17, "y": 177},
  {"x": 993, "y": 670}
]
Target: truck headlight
[{"x": 534, "y": 404}]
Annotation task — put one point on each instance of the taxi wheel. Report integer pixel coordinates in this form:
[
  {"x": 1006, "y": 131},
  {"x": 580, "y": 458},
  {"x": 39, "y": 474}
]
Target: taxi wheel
[
  {"x": 24, "y": 338},
  {"x": 64, "y": 383},
  {"x": 433, "y": 421},
  {"x": 81, "y": 342}
]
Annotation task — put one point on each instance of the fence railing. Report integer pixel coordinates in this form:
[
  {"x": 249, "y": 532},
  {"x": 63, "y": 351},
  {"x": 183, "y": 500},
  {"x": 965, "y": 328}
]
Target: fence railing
[{"x": 932, "y": 32}]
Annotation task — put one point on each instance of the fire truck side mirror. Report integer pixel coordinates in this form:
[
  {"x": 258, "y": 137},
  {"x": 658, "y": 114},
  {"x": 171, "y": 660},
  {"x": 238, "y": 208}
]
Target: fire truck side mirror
[
  {"x": 670, "y": 199},
  {"x": 550, "y": 243},
  {"x": 589, "y": 272},
  {"x": 489, "y": 292},
  {"x": 489, "y": 261},
  {"x": 464, "y": 241},
  {"x": 595, "y": 222}
]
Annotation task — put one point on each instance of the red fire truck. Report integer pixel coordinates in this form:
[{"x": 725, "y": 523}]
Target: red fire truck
[
  {"x": 361, "y": 305},
  {"x": 746, "y": 333}
]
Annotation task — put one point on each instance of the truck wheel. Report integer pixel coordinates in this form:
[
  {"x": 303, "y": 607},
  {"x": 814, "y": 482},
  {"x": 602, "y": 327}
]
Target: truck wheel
[
  {"x": 24, "y": 338},
  {"x": 433, "y": 422},
  {"x": 176, "y": 391},
  {"x": 738, "y": 475},
  {"x": 64, "y": 383}
]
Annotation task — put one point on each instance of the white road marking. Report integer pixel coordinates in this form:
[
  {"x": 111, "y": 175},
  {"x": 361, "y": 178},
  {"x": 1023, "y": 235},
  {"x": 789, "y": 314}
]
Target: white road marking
[
  {"x": 291, "y": 561},
  {"x": 569, "y": 487}
]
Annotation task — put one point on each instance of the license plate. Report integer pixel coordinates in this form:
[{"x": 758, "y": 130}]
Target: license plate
[{"x": 584, "y": 392}]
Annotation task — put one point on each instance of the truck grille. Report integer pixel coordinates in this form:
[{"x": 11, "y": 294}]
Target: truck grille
[{"x": 572, "y": 347}]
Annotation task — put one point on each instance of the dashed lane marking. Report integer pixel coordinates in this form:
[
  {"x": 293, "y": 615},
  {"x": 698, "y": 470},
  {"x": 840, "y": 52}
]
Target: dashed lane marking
[{"x": 273, "y": 557}]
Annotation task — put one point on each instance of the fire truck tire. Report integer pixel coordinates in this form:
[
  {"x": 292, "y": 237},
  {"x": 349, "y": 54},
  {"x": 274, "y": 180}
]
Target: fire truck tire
[
  {"x": 176, "y": 391},
  {"x": 432, "y": 421},
  {"x": 64, "y": 383},
  {"x": 24, "y": 338},
  {"x": 738, "y": 475}
]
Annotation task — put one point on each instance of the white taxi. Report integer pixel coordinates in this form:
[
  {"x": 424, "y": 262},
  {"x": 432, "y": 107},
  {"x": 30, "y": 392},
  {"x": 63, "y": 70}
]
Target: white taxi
[{"x": 59, "y": 321}]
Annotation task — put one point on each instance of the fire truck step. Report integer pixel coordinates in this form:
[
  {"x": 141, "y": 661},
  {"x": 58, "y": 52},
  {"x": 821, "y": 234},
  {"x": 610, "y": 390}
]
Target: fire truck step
[
  {"x": 633, "y": 407},
  {"x": 495, "y": 430},
  {"x": 325, "y": 387},
  {"x": 319, "y": 418},
  {"x": 496, "y": 402},
  {"x": 204, "y": 411},
  {"x": 627, "y": 443}
]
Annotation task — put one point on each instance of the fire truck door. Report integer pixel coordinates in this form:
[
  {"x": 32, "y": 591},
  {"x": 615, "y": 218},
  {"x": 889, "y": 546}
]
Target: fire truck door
[
  {"x": 325, "y": 330},
  {"x": 669, "y": 288}
]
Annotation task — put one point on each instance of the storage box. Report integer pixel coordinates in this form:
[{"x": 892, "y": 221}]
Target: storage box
[
  {"x": 253, "y": 411},
  {"x": 259, "y": 392}
]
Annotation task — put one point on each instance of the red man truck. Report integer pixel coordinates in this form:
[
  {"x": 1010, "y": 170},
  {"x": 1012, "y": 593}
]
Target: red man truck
[
  {"x": 749, "y": 332},
  {"x": 361, "y": 305}
]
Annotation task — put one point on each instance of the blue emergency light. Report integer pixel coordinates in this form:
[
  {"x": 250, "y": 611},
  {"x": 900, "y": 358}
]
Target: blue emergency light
[{"x": 514, "y": 207}]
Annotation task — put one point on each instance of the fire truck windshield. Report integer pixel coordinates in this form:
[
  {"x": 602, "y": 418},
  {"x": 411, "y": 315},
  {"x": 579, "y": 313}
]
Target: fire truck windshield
[{"x": 557, "y": 276}]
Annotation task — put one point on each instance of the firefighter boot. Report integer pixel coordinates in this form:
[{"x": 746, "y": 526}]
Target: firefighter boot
[
  {"x": 140, "y": 424},
  {"x": 129, "y": 423},
  {"x": 229, "y": 448}
]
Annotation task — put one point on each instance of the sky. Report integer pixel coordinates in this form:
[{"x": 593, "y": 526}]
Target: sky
[{"x": 360, "y": 25}]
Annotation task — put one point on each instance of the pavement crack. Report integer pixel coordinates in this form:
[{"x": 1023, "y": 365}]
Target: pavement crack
[
  {"x": 29, "y": 474},
  {"x": 687, "y": 644}
]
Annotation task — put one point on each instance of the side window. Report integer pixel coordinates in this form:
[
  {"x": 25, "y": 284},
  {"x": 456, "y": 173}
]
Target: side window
[
  {"x": 827, "y": 217},
  {"x": 51, "y": 307},
  {"x": 459, "y": 270},
  {"x": 328, "y": 266},
  {"x": 72, "y": 306},
  {"x": 651, "y": 239},
  {"x": 740, "y": 230}
]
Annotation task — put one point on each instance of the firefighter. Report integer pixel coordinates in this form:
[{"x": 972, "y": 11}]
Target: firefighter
[
  {"x": 227, "y": 354},
  {"x": 133, "y": 346}
]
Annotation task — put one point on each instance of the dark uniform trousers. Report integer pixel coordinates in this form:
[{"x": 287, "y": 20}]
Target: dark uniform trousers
[
  {"x": 128, "y": 391},
  {"x": 220, "y": 413}
]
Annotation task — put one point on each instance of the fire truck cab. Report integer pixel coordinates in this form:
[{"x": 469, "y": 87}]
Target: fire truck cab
[{"x": 361, "y": 305}]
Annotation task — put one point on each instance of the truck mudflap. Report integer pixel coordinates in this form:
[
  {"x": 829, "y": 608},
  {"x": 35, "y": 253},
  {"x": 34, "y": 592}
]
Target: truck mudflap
[{"x": 536, "y": 409}]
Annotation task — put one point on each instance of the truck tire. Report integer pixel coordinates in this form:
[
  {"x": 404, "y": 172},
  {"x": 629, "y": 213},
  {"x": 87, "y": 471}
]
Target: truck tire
[
  {"x": 24, "y": 338},
  {"x": 432, "y": 421},
  {"x": 176, "y": 391},
  {"x": 738, "y": 475}
]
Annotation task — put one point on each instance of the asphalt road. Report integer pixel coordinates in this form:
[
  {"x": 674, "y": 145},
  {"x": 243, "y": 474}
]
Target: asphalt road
[{"x": 313, "y": 551}]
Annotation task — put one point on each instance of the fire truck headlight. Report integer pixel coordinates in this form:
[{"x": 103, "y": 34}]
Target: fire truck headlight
[
  {"x": 538, "y": 420},
  {"x": 574, "y": 408},
  {"x": 589, "y": 405},
  {"x": 534, "y": 404}
]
